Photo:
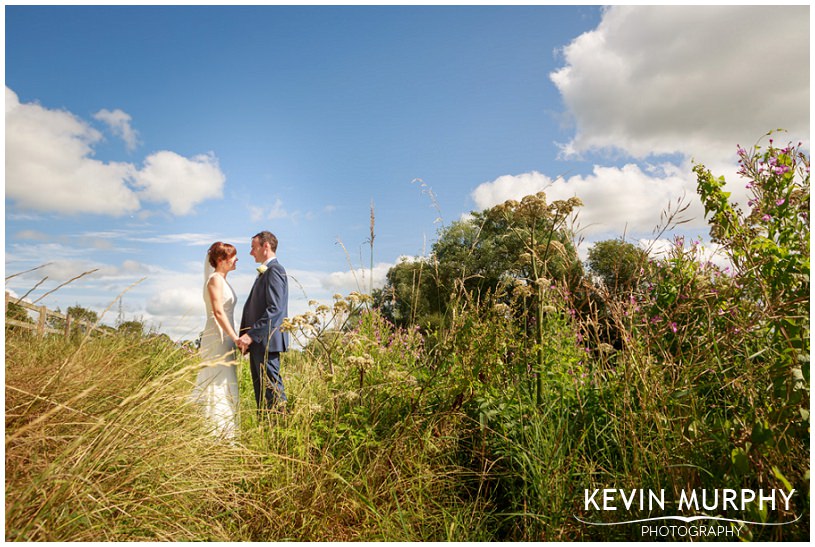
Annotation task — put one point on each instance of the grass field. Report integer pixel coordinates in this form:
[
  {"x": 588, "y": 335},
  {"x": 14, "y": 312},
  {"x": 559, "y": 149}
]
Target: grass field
[{"x": 490, "y": 424}]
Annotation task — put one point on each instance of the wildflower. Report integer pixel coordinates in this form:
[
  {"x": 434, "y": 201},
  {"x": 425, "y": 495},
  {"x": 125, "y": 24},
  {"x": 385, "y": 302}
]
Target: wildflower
[
  {"x": 287, "y": 325},
  {"x": 542, "y": 282},
  {"x": 780, "y": 202},
  {"x": 766, "y": 218},
  {"x": 365, "y": 361},
  {"x": 673, "y": 327},
  {"x": 521, "y": 290}
]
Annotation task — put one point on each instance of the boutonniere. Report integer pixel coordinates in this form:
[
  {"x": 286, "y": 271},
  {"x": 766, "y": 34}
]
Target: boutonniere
[{"x": 262, "y": 268}]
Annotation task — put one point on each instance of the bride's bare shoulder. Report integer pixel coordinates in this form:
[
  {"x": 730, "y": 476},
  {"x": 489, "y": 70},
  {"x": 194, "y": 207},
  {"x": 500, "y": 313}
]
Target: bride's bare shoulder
[{"x": 215, "y": 280}]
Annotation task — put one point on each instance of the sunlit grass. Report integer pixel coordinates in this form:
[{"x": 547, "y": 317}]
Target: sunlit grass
[
  {"x": 101, "y": 447},
  {"x": 480, "y": 426}
]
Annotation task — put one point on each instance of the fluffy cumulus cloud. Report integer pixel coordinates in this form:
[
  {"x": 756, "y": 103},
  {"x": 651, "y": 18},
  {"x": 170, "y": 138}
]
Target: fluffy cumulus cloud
[
  {"x": 119, "y": 123},
  {"x": 691, "y": 80},
  {"x": 172, "y": 304},
  {"x": 356, "y": 280},
  {"x": 653, "y": 82},
  {"x": 50, "y": 167},
  {"x": 615, "y": 200},
  {"x": 49, "y": 164},
  {"x": 179, "y": 181}
]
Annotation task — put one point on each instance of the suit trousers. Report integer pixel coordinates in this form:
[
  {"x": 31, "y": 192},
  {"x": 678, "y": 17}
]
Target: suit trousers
[{"x": 266, "y": 379}]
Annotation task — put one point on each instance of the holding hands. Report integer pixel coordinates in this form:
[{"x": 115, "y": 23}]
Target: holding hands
[{"x": 243, "y": 343}]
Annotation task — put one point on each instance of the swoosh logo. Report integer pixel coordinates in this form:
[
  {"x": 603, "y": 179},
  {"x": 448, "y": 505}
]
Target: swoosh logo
[{"x": 693, "y": 518}]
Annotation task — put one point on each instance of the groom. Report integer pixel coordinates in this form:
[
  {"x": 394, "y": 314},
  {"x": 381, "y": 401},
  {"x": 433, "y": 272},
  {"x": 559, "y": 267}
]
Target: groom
[{"x": 265, "y": 309}]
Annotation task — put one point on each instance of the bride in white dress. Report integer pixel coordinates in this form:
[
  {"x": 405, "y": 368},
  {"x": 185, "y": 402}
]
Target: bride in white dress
[{"x": 216, "y": 388}]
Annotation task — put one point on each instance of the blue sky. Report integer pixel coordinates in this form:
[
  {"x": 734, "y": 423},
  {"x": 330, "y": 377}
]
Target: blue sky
[{"x": 136, "y": 136}]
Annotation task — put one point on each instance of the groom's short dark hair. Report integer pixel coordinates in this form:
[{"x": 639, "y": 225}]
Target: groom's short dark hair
[{"x": 267, "y": 237}]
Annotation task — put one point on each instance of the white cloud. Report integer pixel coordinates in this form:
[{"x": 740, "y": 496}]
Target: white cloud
[
  {"x": 49, "y": 164},
  {"x": 119, "y": 123},
  {"x": 190, "y": 239},
  {"x": 356, "y": 280},
  {"x": 177, "y": 302},
  {"x": 275, "y": 212},
  {"x": 50, "y": 167},
  {"x": 255, "y": 213},
  {"x": 615, "y": 200},
  {"x": 707, "y": 252},
  {"x": 279, "y": 212},
  {"x": 508, "y": 187},
  {"x": 692, "y": 80},
  {"x": 33, "y": 235},
  {"x": 181, "y": 182},
  {"x": 62, "y": 270},
  {"x": 636, "y": 86}
]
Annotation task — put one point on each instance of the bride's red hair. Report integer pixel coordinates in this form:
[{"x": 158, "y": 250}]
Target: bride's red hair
[{"x": 220, "y": 251}]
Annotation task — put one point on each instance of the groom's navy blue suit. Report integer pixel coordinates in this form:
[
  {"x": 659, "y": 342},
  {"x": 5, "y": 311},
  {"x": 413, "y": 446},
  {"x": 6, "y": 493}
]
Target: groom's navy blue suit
[{"x": 263, "y": 313}]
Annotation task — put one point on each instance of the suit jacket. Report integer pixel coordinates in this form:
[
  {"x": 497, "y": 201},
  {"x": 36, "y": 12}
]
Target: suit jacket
[{"x": 266, "y": 307}]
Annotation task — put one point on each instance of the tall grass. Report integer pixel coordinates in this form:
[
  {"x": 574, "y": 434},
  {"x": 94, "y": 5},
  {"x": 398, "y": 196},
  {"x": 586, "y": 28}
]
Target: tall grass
[
  {"x": 102, "y": 444},
  {"x": 98, "y": 450},
  {"x": 392, "y": 434},
  {"x": 484, "y": 426}
]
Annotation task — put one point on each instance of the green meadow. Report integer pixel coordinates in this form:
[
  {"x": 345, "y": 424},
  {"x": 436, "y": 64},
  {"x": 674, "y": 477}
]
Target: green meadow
[{"x": 462, "y": 402}]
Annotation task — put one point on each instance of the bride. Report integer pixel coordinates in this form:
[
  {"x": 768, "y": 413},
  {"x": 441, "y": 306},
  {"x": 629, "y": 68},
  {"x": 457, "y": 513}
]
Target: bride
[{"x": 216, "y": 388}]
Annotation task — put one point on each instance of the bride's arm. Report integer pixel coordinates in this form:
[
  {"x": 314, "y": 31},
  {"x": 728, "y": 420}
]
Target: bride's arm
[{"x": 215, "y": 288}]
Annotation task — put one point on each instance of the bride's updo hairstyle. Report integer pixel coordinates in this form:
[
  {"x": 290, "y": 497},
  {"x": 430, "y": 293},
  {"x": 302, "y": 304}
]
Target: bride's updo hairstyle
[{"x": 220, "y": 251}]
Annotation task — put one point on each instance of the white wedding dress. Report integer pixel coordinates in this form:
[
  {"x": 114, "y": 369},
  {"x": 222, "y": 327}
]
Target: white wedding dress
[{"x": 216, "y": 389}]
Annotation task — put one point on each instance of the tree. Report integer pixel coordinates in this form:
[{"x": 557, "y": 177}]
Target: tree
[
  {"x": 78, "y": 313},
  {"x": 525, "y": 242},
  {"x": 131, "y": 328},
  {"x": 18, "y": 313},
  {"x": 617, "y": 263},
  {"x": 411, "y": 295},
  {"x": 78, "y": 316}
]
